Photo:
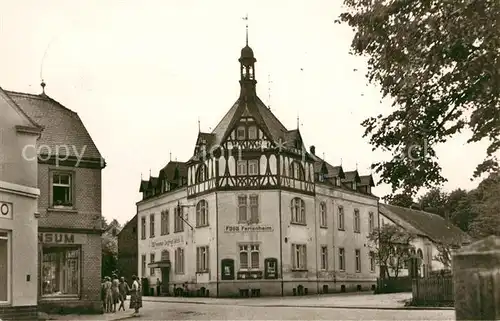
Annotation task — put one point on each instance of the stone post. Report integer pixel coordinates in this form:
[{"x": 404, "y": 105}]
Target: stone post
[{"x": 476, "y": 280}]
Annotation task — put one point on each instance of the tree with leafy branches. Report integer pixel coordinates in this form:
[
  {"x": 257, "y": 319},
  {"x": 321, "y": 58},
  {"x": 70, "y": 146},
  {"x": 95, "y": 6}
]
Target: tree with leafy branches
[
  {"x": 438, "y": 60},
  {"x": 392, "y": 246}
]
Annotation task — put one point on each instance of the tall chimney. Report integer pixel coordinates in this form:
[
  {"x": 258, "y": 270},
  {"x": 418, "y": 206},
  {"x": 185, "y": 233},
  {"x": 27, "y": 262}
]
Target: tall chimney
[{"x": 312, "y": 149}]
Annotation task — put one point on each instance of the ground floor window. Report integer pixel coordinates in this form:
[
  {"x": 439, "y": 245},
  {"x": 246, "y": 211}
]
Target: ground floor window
[
  {"x": 4, "y": 266},
  {"x": 60, "y": 270}
]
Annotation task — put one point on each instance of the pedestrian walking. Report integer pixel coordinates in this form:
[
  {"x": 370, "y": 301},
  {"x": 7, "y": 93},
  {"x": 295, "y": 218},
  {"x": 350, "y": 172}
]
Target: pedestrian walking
[
  {"x": 135, "y": 295},
  {"x": 124, "y": 289}
]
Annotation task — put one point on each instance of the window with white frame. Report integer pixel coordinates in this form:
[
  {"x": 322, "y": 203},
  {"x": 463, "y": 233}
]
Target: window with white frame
[
  {"x": 202, "y": 213},
  {"x": 357, "y": 221},
  {"x": 249, "y": 257},
  {"x": 165, "y": 222},
  {"x": 152, "y": 260},
  {"x": 322, "y": 215},
  {"x": 202, "y": 259},
  {"x": 179, "y": 260},
  {"x": 248, "y": 209},
  {"x": 341, "y": 218},
  {"x": 143, "y": 228},
  {"x": 252, "y": 132},
  {"x": 341, "y": 259},
  {"x": 372, "y": 261},
  {"x": 242, "y": 208},
  {"x": 62, "y": 189},
  {"x": 299, "y": 254},
  {"x": 151, "y": 226},
  {"x": 60, "y": 272},
  {"x": 143, "y": 265},
  {"x": 240, "y": 133},
  {"x": 357, "y": 254},
  {"x": 253, "y": 167},
  {"x": 178, "y": 221},
  {"x": 241, "y": 168},
  {"x": 298, "y": 211},
  {"x": 5, "y": 267},
  {"x": 371, "y": 222},
  {"x": 324, "y": 258},
  {"x": 254, "y": 209}
]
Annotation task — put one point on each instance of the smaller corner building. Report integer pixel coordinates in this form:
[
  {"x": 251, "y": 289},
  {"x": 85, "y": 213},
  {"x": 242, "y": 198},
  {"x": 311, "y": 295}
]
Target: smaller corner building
[
  {"x": 127, "y": 250},
  {"x": 18, "y": 213},
  {"x": 69, "y": 207},
  {"x": 254, "y": 213}
]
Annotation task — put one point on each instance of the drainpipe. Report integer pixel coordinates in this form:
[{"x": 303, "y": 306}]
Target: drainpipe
[
  {"x": 281, "y": 242},
  {"x": 217, "y": 239},
  {"x": 316, "y": 241}
]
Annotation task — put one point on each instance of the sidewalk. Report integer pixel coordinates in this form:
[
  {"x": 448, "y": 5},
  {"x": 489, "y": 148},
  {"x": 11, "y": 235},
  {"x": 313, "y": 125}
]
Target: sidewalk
[{"x": 340, "y": 300}]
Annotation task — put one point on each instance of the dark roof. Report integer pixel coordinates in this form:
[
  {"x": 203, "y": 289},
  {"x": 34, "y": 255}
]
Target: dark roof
[
  {"x": 28, "y": 120},
  {"x": 168, "y": 172},
  {"x": 61, "y": 125},
  {"x": 367, "y": 180},
  {"x": 153, "y": 182},
  {"x": 144, "y": 186},
  {"x": 331, "y": 171},
  {"x": 351, "y": 176},
  {"x": 126, "y": 224},
  {"x": 426, "y": 224}
]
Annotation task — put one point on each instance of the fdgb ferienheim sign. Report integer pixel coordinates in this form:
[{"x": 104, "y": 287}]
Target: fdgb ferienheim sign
[{"x": 242, "y": 228}]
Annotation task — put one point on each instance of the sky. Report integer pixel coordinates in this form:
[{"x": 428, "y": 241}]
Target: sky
[{"x": 141, "y": 74}]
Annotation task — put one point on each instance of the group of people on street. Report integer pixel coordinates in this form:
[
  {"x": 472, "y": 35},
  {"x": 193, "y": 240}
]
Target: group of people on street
[{"x": 114, "y": 291}]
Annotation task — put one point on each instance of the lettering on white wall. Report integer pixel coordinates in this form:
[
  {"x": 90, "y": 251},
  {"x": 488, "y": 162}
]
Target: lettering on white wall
[
  {"x": 242, "y": 228},
  {"x": 5, "y": 210},
  {"x": 56, "y": 238},
  {"x": 167, "y": 242}
]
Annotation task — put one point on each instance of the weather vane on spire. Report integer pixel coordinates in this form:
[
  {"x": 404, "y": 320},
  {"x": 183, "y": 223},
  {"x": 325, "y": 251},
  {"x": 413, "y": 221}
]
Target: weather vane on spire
[{"x": 246, "y": 27}]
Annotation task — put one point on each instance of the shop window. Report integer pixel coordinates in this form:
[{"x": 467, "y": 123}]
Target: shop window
[
  {"x": 60, "y": 271},
  {"x": 4, "y": 267},
  {"x": 62, "y": 194}
]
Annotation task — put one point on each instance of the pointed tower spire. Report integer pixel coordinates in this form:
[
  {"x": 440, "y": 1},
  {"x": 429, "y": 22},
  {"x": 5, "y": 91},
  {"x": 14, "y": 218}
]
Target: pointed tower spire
[
  {"x": 43, "y": 84},
  {"x": 298, "y": 120},
  {"x": 340, "y": 161},
  {"x": 170, "y": 156},
  {"x": 356, "y": 165},
  {"x": 199, "y": 125},
  {"x": 246, "y": 28},
  {"x": 247, "y": 69}
]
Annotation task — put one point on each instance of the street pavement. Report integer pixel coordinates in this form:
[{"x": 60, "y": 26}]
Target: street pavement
[
  {"x": 324, "y": 307},
  {"x": 190, "y": 311}
]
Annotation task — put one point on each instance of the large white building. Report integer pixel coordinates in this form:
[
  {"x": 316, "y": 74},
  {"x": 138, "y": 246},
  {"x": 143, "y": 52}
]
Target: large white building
[{"x": 253, "y": 212}]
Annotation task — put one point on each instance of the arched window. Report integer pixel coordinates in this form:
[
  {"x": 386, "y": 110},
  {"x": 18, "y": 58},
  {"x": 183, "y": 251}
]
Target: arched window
[
  {"x": 201, "y": 173},
  {"x": 298, "y": 211},
  {"x": 165, "y": 255},
  {"x": 202, "y": 213},
  {"x": 296, "y": 171},
  {"x": 322, "y": 215}
]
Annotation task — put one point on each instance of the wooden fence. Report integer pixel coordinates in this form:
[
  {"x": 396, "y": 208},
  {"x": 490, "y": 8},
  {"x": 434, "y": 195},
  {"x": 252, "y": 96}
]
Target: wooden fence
[{"x": 433, "y": 290}]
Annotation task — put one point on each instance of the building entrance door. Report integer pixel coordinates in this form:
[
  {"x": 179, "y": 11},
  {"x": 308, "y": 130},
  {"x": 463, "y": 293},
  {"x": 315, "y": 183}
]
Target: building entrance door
[{"x": 165, "y": 279}]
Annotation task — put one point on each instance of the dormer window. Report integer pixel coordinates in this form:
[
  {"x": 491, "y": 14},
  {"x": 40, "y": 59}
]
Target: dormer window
[
  {"x": 240, "y": 133},
  {"x": 252, "y": 132}
]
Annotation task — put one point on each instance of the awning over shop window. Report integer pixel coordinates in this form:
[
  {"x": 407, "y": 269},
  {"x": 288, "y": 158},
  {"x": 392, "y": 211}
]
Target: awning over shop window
[{"x": 159, "y": 264}]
